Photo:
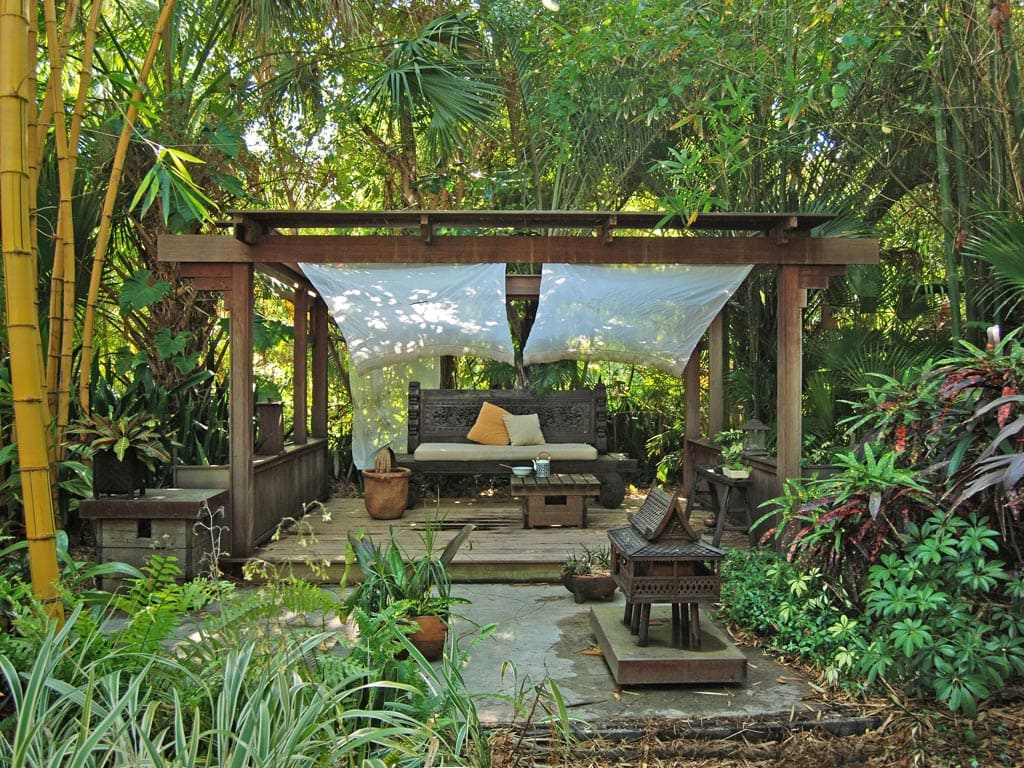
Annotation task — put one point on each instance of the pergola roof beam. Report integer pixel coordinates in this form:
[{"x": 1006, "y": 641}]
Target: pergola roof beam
[{"x": 250, "y": 226}]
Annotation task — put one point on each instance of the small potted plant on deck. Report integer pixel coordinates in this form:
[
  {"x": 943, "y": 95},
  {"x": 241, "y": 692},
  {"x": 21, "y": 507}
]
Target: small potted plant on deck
[
  {"x": 731, "y": 442},
  {"x": 588, "y": 575},
  {"x": 124, "y": 450},
  {"x": 386, "y": 487},
  {"x": 416, "y": 589}
]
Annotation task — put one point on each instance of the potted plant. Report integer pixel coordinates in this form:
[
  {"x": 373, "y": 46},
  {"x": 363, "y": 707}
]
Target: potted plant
[
  {"x": 417, "y": 590},
  {"x": 386, "y": 487},
  {"x": 124, "y": 450},
  {"x": 731, "y": 443},
  {"x": 589, "y": 575}
]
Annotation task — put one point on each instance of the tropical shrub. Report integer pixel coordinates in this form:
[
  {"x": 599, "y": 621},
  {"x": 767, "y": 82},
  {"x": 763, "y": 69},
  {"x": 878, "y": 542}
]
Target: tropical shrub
[
  {"x": 948, "y": 434},
  {"x": 841, "y": 524},
  {"x": 266, "y": 676},
  {"x": 959, "y": 423},
  {"x": 945, "y": 614},
  {"x": 783, "y": 605},
  {"x": 920, "y": 527}
]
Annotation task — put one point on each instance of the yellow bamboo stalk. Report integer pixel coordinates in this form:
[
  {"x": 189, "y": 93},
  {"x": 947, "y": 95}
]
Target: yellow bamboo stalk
[
  {"x": 39, "y": 128},
  {"x": 22, "y": 317},
  {"x": 77, "y": 118},
  {"x": 62, "y": 284},
  {"x": 106, "y": 217}
]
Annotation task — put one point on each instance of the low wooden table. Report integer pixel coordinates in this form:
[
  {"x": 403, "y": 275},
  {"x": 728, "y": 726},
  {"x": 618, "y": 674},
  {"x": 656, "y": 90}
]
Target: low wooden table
[{"x": 555, "y": 500}]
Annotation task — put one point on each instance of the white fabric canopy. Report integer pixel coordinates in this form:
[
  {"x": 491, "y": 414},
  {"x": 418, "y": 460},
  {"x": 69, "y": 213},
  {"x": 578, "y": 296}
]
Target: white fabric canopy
[
  {"x": 400, "y": 312},
  {"x": 379, "y": 403},
  {"x": 652, "y": 315}
]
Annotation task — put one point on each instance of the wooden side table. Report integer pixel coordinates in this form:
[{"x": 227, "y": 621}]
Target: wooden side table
[
  {"x": 721, "y": 489},
  {"x": 555, "y": 500},
  {"x": 161, "y": 522}
]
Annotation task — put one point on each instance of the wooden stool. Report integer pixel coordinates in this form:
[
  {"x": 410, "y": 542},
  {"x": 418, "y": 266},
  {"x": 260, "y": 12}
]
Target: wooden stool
[{"x": 720, "y": 501}]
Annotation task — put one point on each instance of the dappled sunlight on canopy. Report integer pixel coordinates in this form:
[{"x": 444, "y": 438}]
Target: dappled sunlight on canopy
[
  {"x": 403, "y": 312},
  {"x": 652, "y": 315}
]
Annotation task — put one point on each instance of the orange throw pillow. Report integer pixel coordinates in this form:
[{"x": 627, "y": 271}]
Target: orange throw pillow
[{"x": 489, "y": 428}]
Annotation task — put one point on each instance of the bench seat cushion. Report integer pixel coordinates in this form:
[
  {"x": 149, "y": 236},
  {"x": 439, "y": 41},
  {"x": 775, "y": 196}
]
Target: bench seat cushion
[{"x": 503, "y": 453}]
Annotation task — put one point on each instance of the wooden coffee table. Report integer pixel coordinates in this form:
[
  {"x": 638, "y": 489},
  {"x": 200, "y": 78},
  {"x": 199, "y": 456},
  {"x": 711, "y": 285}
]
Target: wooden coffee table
[{"x": 556, "y": 500}]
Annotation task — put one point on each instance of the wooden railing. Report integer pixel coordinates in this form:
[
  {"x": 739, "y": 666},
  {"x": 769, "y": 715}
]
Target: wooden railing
[{"x": 283, "y": 483}]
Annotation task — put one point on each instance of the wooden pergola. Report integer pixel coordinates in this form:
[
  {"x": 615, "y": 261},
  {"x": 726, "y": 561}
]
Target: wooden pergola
[{"x": 277, "y": 241}]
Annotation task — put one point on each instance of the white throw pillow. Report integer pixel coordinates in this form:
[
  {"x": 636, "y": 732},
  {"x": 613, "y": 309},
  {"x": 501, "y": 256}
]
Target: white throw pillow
[{"x": 524, "y": 430}]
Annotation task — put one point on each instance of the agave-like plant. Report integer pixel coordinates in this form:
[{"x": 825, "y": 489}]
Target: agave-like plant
[{"x": 140, "y": 431}]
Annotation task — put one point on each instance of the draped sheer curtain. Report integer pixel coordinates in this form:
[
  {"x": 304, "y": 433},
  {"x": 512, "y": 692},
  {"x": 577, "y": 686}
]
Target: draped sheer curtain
[
  {"x": 651, "y": 315},
  {"x": 398, "y": 319}
]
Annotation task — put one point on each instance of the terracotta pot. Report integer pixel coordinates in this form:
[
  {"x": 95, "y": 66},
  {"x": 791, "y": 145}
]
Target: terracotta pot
[
  {"x": 429, "y": 640},
  {"x": 386, "y": 494},
  {"x": 589, "y": 587}
]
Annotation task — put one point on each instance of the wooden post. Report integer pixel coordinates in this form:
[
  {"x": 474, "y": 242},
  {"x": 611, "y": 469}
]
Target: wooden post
[
  {"x": 240, "y": 474},
  {"x": 792, "y": 299},
  {"x": 300, "y": 353},
  {"x": 691, "y": 414},
  {"x": 319, "y": 416},
  {"x": 716, "y": 374}
]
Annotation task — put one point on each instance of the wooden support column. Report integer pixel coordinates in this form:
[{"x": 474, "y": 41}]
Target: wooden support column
[
  {"x": 300, "y": 352},
  {"x": 691, "y": 414},
  {"x": 320, "y": 341},
  {"x": 792, "y": 299},
  {"x": 716, "y": 374},
  {"x": 240, "y": 476}
]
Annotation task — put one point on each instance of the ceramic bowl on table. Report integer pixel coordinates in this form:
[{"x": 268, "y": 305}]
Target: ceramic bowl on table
[{"x": 522, "y": 471}]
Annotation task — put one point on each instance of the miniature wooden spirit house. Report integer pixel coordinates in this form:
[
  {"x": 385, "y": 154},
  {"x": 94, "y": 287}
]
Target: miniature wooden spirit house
[{"x": 659, "y": 558}]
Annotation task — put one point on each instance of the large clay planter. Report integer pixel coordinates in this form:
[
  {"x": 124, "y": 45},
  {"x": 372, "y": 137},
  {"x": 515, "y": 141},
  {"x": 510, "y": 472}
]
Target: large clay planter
[
  {"x": 589, "y": 587},
  {"x": 429, "y": 640},
  {"x": 386, "y": 494}
]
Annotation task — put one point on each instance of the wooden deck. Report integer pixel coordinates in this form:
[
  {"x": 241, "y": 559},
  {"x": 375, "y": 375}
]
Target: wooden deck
[{"x": 500, "y": 549}]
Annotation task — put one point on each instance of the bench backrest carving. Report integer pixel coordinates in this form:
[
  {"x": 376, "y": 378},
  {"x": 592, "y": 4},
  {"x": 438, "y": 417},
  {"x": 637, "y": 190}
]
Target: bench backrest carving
[{"x": 446, "y": 415}]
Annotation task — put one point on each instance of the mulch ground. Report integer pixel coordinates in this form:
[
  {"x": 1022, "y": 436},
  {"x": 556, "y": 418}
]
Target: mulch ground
[{"x": 898, "y": 733}]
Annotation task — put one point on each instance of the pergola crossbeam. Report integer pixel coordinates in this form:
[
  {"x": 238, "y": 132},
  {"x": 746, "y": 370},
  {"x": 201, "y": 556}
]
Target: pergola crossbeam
[{"x": 490, "y": 249}]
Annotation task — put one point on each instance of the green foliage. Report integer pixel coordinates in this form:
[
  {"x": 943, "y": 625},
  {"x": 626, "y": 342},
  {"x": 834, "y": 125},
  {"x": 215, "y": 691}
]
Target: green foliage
[
  {"x": 842, "y": 523},
  {"x": 194, "y": 410},
  {"x": 391, "y": 576},
  {"x": 782, "y": 603},
  {"x": 944, "y": 611},
  {"x": 439, "y": 80},
  {"x": 182, "y": 202},
  {"x": 139, "y": 431},
  {"x": 140, "y": 290},
  {"x": 731, "y": 442},
  {"x": 146, "y": 677},
  {"x": 244, "y": 712},
  {"x": 590, "y": 561},
  {"x": 947, "y": 433}
]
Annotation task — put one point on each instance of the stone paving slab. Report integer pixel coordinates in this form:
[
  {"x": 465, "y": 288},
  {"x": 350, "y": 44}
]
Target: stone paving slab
[{"x": 543, "y": 634}]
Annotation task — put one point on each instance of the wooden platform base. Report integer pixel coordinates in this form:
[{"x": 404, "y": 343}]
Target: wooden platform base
[{"x": 718, "y": 661}]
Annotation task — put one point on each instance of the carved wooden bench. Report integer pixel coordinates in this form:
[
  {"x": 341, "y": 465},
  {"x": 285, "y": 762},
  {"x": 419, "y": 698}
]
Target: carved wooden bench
[{"x": 572, "y": 421}]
